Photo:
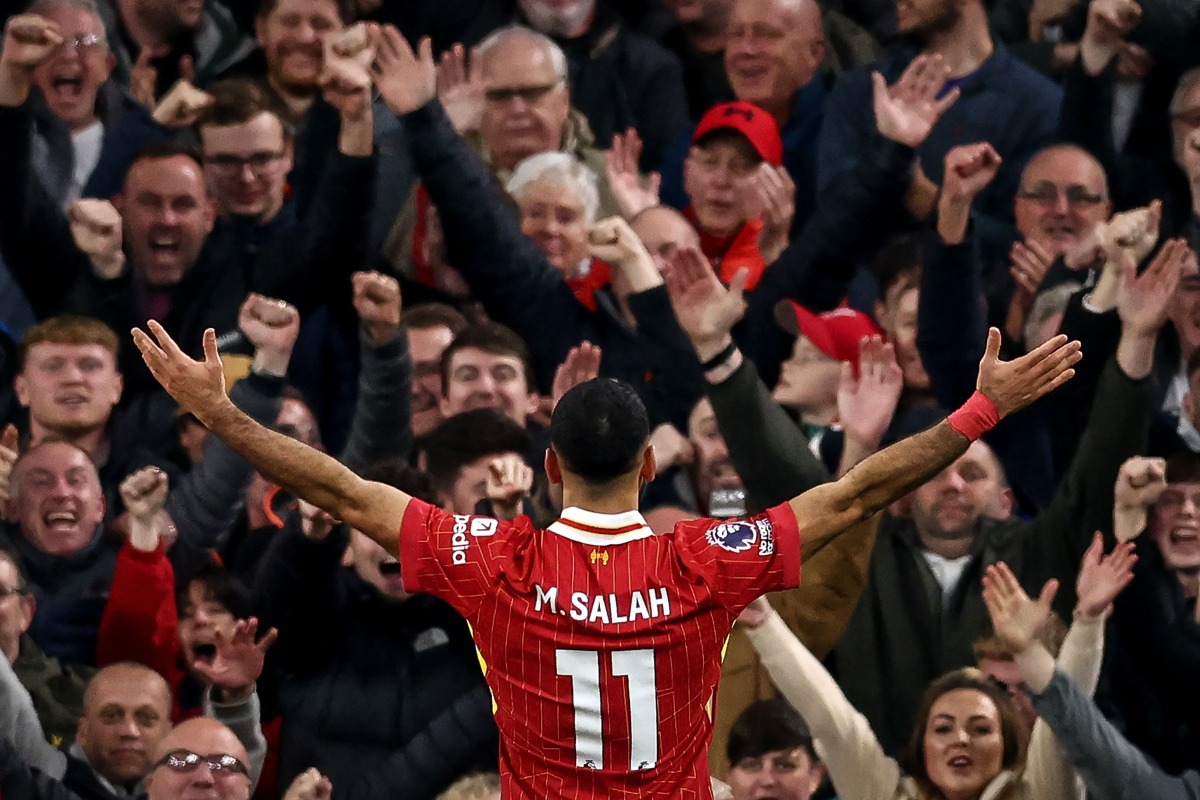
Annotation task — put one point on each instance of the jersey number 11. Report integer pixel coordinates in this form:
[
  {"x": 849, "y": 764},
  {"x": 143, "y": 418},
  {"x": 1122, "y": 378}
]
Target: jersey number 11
[{"x": 637, "y": 667}]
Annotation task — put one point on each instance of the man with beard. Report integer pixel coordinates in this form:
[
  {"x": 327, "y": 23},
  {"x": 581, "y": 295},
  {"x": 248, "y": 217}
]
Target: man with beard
[{"x": 1002, "y": 101}]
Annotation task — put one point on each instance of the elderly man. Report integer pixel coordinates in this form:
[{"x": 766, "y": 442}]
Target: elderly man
[{"x": 619, "y": 79}]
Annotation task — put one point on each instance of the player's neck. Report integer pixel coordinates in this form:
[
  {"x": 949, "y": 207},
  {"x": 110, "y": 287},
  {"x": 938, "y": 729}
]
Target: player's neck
[{"x": 609, "y": 500}]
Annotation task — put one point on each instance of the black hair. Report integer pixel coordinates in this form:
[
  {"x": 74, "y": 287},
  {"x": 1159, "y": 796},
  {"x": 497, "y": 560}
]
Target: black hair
[
  {"x": 167, "y": 148},
  {"x": 766, "y": 726},
  {"x": 599, "y": 430},
  {"x": 221, "y": 586},
  {"x": 468, "y": 437}
]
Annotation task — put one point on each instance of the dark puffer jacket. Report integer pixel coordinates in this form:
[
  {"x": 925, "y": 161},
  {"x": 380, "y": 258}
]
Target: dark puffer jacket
[{"x": 386, "y": 698}]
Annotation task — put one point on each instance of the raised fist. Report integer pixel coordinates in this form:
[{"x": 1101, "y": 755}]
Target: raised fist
[
  {"x": 182, "y": 106},
  {"x": 29, "y": 40},
  {"x": 96, "y": 229},
  {"x": 144, "y": 492},
  {"x": 272, "y": 327},
  {"x": 377, "y": 303}
]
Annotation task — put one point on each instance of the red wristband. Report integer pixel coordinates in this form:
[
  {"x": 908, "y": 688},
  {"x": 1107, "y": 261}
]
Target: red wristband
[{"x": 976, "y": 417}]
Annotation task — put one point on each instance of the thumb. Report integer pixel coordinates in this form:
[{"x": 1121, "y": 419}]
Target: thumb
[
  {"x": 1048, "y": 593},
  {"x": 992, "y": 351},
  {"x": 738, "y": 285},
  {"x": 9, "y": 438},
  {"x": 878, "y": 86}
]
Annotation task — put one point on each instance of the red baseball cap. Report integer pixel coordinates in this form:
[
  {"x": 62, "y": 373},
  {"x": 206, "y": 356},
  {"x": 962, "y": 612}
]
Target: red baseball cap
[
  {"x": 836, "y": 333},
  {"x": 759, "y": 128}
]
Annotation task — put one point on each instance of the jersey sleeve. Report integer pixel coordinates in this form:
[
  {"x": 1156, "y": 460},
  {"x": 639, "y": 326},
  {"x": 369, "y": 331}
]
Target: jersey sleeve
[
  {"x": 452, "y": 556},
  {"x": 743, "y": 559}
]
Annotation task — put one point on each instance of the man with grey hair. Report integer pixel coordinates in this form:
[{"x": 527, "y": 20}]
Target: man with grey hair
[{"x": 619, "y": 79}]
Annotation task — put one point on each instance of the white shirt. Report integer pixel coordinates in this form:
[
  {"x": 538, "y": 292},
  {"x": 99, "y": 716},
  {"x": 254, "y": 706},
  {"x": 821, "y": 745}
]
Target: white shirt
[
  {"x": 88, "y": 143},
  {"x": 948, "y": 571}
]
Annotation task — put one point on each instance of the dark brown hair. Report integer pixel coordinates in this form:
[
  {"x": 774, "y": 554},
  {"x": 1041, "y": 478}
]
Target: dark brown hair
[{"x": 969, "y": 678}]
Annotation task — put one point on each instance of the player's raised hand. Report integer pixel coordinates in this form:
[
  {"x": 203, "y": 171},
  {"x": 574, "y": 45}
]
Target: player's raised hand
[
  {"x": 197, "y": 386},
  {"x": 581, "y": 365},
  {"x": 1014, "y": 384}
]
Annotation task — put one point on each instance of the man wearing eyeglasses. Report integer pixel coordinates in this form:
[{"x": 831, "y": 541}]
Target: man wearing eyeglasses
[{"x": 200, "y": 758}]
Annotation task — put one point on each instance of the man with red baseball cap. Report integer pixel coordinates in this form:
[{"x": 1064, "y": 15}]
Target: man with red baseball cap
[{"x": 729, "y": 148}]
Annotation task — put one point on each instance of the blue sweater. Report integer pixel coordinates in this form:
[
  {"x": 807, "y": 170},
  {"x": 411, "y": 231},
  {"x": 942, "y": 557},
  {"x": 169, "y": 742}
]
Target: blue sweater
[{"x": 1004, "y": 102}]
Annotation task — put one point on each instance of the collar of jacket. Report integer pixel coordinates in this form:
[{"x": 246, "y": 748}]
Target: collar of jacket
[
  {"x": 991, "y": 72},
  {"x": 47, "y": 570}
]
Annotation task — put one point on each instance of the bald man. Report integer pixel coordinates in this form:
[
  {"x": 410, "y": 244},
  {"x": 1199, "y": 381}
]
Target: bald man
[
  {"x": 199, "y": 758},
  {"x": 120, "y": 737}
]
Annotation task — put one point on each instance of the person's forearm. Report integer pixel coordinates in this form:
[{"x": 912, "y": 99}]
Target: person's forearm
[
  {"x": 640, "y": 272},
  {"x": 1094, "y": 55},
  {"x": 357, "y": 137},
  {"x": 953, "y": 218},
  {"x": 1135, "y": 353},
  {"x": 15, "y": 85},
  {"x": 381, "y": 427},
  {"x": 1112, "y": 767},
  {"x": 19, "y": 724},
  {"x": 1037, "y": 666},
  {"x": 891, "y": 473},
  {"x": 298, "y": 468},
  {"x": 244, "y": 718}
]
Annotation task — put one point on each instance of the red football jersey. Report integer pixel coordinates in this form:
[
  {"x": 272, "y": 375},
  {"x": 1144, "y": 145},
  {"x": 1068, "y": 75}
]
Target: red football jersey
[{"x": 601, "y": 642}]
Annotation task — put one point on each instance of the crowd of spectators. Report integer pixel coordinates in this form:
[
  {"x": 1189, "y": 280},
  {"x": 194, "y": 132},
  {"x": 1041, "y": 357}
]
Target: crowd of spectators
[{"x": 414, "y": 225}]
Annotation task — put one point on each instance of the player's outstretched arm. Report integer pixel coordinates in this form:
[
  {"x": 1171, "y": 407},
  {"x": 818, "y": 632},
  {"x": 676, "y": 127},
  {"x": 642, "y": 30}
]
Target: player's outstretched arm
[
  {"x": 1002, "y": 388},
  {"x": 199, "y": 388}
]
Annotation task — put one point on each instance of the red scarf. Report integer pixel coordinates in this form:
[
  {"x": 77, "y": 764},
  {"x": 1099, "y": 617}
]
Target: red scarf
[{"x": 728, "y": 254}]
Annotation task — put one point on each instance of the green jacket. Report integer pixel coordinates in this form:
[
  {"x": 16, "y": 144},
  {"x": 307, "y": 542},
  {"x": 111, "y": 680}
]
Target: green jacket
[{"x": 57, "y": 691}]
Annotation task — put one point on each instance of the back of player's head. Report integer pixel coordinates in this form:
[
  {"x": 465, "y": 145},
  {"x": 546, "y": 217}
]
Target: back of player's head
[
  {"x": 599, "y": 430},
  {"x": 766, "y": 727}
]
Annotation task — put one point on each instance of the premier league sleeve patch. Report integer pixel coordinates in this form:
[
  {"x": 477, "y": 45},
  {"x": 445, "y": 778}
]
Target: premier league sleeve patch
[{"x": 736, "y": 537}]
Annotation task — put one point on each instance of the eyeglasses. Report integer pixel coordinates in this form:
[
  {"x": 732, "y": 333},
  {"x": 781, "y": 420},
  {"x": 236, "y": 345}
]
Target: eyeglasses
[
  {"x": 530, "y": 94},
  {"x": 230, "y": 165},
  {"x": 1048, "y": 194},
  {"x": 187, "y": 761},
  {"x": 83, "y": 42}
]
